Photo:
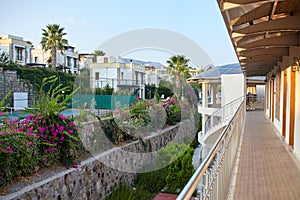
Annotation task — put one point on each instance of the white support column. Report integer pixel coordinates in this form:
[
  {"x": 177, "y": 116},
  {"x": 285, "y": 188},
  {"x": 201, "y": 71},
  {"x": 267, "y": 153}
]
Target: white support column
[{"x": 204, "y": 104}]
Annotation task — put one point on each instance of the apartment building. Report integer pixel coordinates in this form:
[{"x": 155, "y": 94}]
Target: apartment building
[{"x": 17, "y": 49}]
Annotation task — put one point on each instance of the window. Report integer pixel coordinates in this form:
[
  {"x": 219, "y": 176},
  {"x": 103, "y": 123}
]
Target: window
[
  {"x": 19, "y": 52},
  {"x": 35, "y": 59},
  {"x": 136, "y": 78},
  {"x": 97, "y": 75},
  {"x": 105, "y": 59},
  {"x": 69, "y": 61},
  {"x": 75, "y": 62},
  {"x": 142, "y": 78},
  {"x": 122, "y": 75}
]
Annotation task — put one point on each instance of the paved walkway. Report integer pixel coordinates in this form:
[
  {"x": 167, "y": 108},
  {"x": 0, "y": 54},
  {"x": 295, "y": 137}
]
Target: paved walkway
[{"x": 267, "y": 169}]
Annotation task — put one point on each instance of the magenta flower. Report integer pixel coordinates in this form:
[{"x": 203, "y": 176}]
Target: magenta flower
[
  {"x": 1, "y": 113},
  {"x": 28, "y": 118},
  {"x": 72, "y": 124},
  {"x": 62, "y": 117},
  {"x": 60, "y": 128},
  {"x": 70, "y": 131},
  {"x": 29, "y": 144},
  {"x": 54, "y": 134},
  {"x": 62, "y": 138},
  {"x": 41, "y": 129},
  {"x": 4, "y": 133},
  {"x": 9, "y": 150}
]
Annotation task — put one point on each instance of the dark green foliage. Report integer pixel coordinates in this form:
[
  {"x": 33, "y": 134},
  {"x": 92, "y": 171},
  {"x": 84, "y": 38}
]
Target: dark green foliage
[
  {"x": 180, "y": 172},
  {"x": 170, "y": 153},
  {"x": 196, "y": 87},
  {"x": 150, "y": 91},
  {"x": 153, "y": 181},
  {"x": 4, "y": 59},
  {"x": 107, "y": 90},
  {"x": 163, "y": 90},
  {"x": 35, "y": 76},
  {"x": 124, "y": 192}
]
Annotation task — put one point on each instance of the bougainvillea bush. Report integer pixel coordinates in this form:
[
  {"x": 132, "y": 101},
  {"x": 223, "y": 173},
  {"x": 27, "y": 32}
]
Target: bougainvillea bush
[
  {"x": 37, "y": 142},
  {"x": 43, "y": 139}
]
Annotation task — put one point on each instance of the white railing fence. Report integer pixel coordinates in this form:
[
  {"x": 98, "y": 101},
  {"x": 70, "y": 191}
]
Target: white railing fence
[{"x": 212, "y": 179}]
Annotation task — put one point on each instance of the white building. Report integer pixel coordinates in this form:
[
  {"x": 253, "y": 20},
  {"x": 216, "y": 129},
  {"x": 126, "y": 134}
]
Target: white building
[
  {"x": 85, "y": 60},
  {"x": 18, "y": 50},
  {"x": 221, "y": 86},
  {"x": 120, "y": 73},
  {"x": 66, "y": 61}
]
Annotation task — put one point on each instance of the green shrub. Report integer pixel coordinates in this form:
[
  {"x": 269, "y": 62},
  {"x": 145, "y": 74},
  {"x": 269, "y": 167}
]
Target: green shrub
[
  {"x": 180, "y": 172},
  {"x": 124, "y": 192},
  {"x": 107, "y": 90},
  {"x": 170, "y": 153},
  {"x": 153, "y": 181}
]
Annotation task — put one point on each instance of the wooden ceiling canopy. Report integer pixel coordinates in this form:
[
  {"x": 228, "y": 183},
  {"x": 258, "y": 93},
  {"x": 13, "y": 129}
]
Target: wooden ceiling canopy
[{"x": 261, "y": 31}]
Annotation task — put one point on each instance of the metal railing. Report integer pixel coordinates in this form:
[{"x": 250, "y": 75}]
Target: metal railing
[
  {"x": 220, "y": 117},
  {"x": 212, "y": 178},
  {"x": 255, "y": 102}
]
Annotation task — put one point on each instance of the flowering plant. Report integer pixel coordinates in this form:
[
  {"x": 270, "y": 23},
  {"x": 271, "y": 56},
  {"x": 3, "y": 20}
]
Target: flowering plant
[
  {"x": 172, "y": 107},
  {"x": 36, "y": 142}
]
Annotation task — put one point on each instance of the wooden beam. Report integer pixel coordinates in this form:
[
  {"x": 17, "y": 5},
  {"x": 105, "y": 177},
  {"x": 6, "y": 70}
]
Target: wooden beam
[
  {"x": 280, "y": 41},
  {"x": 287, "y": 23},
  {"x": 282, "y": 51}
]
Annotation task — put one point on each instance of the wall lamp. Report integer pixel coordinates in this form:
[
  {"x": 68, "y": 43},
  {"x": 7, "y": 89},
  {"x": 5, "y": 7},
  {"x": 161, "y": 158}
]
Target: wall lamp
[{"x": 296, "y": 64}]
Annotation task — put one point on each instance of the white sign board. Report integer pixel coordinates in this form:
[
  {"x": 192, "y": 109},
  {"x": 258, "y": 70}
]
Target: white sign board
[{"x": 20, "y": 100}]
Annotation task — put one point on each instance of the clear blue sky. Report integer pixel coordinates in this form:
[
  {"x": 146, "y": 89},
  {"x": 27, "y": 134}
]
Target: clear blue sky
[{"x": 90, "y": 23}]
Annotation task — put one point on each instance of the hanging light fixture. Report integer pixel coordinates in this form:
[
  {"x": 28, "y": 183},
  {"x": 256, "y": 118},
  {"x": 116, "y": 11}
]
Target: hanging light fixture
[{"x": 296, "y": 64}]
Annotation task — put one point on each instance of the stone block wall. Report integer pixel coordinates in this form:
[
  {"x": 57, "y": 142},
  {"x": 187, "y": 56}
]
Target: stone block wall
[
  {"x": 97, "y": 176},
  {"x": 9, "y": 81}
]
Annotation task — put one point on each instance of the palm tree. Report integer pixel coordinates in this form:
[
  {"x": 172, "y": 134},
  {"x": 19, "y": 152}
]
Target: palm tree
[
  {"x": 98, "y": 53},
  {"x": 179, "y": 65},
  {"x": 53, "y": 40}
]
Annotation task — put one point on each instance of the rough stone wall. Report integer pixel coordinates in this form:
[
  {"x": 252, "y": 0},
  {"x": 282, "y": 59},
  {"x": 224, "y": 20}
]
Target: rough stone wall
[
  {"x": 96, "y": 177},
  {"x": 9, "y": 81}
]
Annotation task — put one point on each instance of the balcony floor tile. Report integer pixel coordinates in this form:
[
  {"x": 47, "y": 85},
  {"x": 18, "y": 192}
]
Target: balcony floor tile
[{"x": 267, "y": 169}]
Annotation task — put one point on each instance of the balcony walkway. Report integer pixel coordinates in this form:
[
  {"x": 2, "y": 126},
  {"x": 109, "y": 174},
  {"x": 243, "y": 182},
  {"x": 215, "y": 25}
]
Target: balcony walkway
[{"x": 267, "y": 169}]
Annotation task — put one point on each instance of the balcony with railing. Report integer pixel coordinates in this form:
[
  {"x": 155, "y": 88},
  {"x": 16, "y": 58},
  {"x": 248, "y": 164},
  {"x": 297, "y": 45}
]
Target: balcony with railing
[{"x": 249, "y": 160}]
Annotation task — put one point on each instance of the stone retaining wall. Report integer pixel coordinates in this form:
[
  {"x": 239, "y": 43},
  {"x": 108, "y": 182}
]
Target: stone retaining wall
[
  {"x": 9, "y": 81},
  {"x": 96, "y": 177}
]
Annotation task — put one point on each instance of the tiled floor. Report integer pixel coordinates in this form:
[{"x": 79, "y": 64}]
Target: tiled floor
[{"x": 267, "y": 169}]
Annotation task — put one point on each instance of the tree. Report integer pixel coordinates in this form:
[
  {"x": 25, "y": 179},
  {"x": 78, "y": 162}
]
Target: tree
[
  {"x": 178, "y": 64},
  {"x": 4, "y": 59},
  {"x": 53, "y": 40},
  {"x": 98, "y": 53}
]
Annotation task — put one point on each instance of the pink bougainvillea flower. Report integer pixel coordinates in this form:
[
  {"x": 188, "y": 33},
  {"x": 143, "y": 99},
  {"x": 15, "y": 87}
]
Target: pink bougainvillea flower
[
  {"x": 62, "y": 117},
  {"x": 62, "y": 138},
  {"x": 4, "y": 133},
  {"x": 72, "y": 124},
  {"x": 60, "y": 128},
  {"x": 29, "y": 144},
  {"x": 70, "y": 131},
  {"x": 41, "y": 129},
  {"x": 9, "y": 150}
]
